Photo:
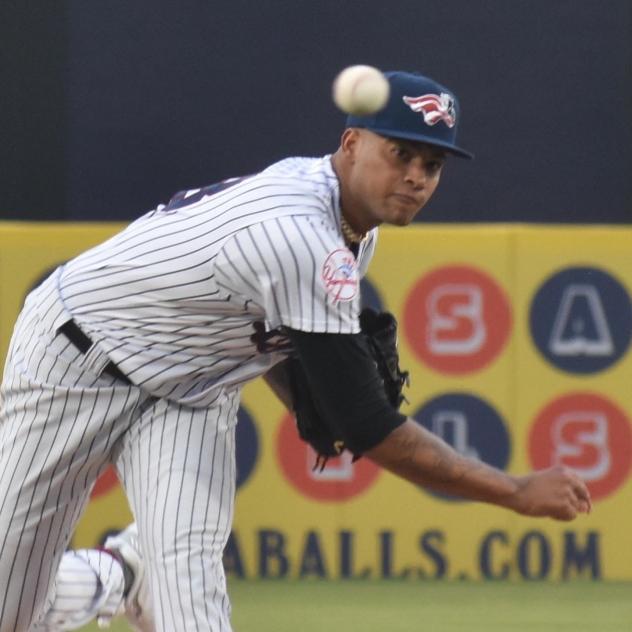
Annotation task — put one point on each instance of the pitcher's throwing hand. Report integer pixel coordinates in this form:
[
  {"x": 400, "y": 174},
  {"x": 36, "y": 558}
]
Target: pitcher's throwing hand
[{"x": 556, "y": 492}]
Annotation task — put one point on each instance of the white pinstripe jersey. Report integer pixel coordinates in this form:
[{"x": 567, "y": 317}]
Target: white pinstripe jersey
[{"x": 172, "y": 298}]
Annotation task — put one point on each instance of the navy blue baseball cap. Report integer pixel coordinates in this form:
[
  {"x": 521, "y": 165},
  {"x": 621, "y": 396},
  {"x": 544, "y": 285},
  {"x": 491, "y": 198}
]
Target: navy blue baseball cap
[{"x": 418, "y": 109}]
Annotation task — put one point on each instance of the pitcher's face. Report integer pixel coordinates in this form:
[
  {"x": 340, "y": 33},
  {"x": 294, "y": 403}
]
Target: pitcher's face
[{"x": 390, "y": 180}]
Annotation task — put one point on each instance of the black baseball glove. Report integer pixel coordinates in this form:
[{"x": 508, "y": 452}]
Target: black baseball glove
[{"x": 380, "y": 332}]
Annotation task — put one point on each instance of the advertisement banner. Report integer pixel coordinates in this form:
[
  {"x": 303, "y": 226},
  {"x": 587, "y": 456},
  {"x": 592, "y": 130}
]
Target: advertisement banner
[{"x": 517, "y": 339}]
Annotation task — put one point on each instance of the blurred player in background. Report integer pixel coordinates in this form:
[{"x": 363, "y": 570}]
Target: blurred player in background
[{"x": 135, "y": 353}]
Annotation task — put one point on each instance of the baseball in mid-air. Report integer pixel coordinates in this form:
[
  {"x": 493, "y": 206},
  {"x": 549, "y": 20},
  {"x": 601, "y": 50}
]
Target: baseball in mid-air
[{"x": 360, "y": 90}]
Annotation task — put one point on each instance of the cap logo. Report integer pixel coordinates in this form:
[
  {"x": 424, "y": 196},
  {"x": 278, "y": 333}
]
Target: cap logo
[{"x": 434, "y": 107}]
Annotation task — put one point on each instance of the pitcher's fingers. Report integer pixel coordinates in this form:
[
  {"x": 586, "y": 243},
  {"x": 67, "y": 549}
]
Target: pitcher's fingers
[
  {"x": 583, "y": 494},
  {"x": 584, "y": 507}
]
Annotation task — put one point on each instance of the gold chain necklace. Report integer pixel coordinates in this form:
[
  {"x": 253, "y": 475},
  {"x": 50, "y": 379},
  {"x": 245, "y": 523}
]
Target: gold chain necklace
[{"x": 349, "y": 234}]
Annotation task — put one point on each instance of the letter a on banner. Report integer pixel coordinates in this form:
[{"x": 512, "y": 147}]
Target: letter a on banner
[
  {"x": 581, "y": 320},
  {"x": 580, "y": 324}
]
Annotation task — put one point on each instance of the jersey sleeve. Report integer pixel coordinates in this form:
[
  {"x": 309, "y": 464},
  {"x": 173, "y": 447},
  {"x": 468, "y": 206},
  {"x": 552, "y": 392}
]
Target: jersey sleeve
[
  {"x": 298, "y": 270},
  {"x": 344, "y": 380}
]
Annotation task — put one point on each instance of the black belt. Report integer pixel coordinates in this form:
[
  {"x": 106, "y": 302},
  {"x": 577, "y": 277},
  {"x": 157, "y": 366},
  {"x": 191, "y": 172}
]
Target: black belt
[{"x": 83, "y": 343}]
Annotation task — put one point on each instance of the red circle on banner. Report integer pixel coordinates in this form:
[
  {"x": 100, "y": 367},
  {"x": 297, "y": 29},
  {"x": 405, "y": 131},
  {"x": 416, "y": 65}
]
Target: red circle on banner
[
  {"x": 587, "y": 433},
  {"x": 457, "y": 319},
  {"x": 105, "y": 483},
  {"x": 340, "y": 480}
]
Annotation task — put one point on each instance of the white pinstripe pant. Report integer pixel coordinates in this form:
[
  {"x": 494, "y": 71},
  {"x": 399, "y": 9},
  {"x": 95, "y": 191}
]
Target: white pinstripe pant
[{"x": 60, "y": 426}]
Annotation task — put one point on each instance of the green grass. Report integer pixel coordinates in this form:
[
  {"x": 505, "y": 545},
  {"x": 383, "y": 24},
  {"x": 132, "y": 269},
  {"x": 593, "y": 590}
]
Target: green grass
[{"x": 374, "y": 606}]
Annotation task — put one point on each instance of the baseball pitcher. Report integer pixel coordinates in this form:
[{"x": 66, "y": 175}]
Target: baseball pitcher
[{"x": 135, "y": 353}]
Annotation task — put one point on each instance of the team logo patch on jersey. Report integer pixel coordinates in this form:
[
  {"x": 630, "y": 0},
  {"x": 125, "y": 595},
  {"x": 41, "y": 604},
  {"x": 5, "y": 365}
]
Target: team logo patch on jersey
[
  {"x": 340, "y": 275},
  {"x": 434, "y": 108}
]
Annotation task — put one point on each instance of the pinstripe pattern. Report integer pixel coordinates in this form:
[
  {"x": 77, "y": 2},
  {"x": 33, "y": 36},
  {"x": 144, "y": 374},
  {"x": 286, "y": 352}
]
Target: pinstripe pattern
[
  {"x": 60, "y": 423},
  {"x": 182, "y": 283},
  {"x": 196, "y": 481},
  {"x": 88, "y": 581},
  {"x": 172, "y": 301}
]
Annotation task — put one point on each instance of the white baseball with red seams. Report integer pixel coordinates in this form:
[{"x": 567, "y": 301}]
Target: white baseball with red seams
[{"x": 360, "y": 90}]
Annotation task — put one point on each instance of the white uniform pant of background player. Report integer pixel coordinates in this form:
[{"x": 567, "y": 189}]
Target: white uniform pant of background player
[{"x": 61, "y": 424}]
